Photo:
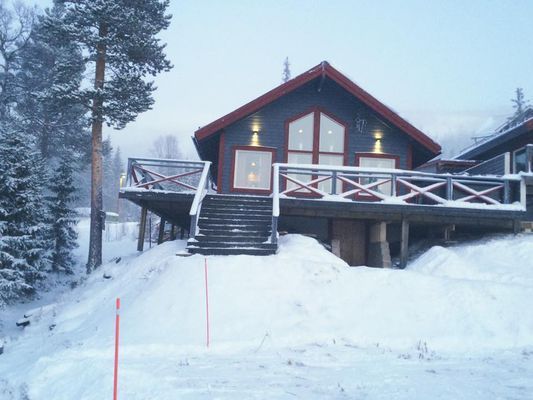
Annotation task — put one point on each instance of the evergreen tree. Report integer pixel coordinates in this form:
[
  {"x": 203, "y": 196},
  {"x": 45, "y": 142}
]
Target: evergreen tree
[
  {"x": 286, "y": 70},
  {"x": 119, "y": 39},
  {"x": 51, "y": 72},
  {"x": 63, "y": 218},
  {"x": 16, "y": 24},
  {"x": 519, "y": 103},
  {"x": 23, "y": 243}
]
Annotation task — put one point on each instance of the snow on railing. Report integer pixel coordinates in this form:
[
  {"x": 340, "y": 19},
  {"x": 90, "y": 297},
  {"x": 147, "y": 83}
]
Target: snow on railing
[
  {"x": 203, "y": 187},
  {"x": 395, "y": 186},
  {"x": 163, "y": 174},
  {"x": 275, "y": 205},
  {"x": 171, "y": 176}
]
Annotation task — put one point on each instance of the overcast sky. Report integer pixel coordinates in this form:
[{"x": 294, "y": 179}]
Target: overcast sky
[{"x": 450, "y": 67}]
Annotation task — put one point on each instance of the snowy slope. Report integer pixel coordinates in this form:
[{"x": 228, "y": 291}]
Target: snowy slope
[{"x": 302, "y": 319}]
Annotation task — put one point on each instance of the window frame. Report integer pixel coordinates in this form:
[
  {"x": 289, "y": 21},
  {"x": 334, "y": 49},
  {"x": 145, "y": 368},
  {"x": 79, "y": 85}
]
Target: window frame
[
  {"x": 263, "y": 149},
  {"x": 524, "y": 149},
  {"x": 389, "y": 156},
  {"x": 316, "y": 111},
  {"x": 315, "y": 152}
]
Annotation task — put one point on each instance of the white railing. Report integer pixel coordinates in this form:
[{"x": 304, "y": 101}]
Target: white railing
[
  {"x": 393, "y": 186},
  {"x": 203, "y": 187},
  {"x": 171, "y": 176},
  {"x": 275, "y": 205}
]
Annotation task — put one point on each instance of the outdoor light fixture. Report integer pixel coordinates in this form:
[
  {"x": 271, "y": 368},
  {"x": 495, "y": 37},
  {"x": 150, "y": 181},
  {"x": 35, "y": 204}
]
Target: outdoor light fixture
[
  {"x": 377, "y": 143},
  {"x": 255, "y": 137}
]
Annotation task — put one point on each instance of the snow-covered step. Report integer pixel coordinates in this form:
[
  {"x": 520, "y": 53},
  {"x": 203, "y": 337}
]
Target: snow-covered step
[
  {"x": 237, "y": 237},
  {"x": 231, "y": 210},
  {"x": 225, "y": 218},
  {"x": 231, "y": 251},
  {"x": 217, "y": 231},
  {"x": 210, "y": 244}
]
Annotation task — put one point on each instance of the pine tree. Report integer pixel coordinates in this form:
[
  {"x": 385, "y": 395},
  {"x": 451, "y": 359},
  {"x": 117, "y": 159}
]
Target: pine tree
[
  {"x": 119, "y": 38},
  {"x": 63, "y": 218},
  {"x": 51, "y": 73},
  {"x": 286, "y": 70},
  {"x": 23, "y": 242},
  {"x": 16, "y": 24},
  {"x": 519, "y": 103}
]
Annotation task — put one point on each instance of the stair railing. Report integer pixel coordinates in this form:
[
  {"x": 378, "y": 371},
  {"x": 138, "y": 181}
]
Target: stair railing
[
  {"x": 202, "y": 189},
  {"x": 275, "y": 205}
]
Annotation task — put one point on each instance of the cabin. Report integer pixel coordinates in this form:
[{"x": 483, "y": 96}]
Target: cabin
[{"x": 317, "y": 155}]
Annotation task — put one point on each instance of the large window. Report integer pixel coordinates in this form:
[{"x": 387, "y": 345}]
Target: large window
[
  {"x": 253, "y": 169},
  {"x": 315, "y": 138},
  {"x": 374, "y": 161}
]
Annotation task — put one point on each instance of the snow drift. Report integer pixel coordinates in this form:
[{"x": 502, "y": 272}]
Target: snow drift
[{"x": 462, "y": 299}]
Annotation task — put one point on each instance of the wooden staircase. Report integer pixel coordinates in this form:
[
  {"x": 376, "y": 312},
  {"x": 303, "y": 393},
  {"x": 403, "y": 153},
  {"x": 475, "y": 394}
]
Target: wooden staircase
[{"x": 231, "y": 225}]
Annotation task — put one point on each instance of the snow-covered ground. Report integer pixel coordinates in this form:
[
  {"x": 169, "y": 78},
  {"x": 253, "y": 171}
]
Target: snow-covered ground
[{"x": 456, "y": 324}]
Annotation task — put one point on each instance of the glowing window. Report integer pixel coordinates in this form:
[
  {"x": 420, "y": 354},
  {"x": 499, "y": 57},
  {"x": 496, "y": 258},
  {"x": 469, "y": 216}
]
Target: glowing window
[{"x": 253, "y": 169}]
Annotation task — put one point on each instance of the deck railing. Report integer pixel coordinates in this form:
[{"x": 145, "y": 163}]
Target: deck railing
[
  {"x": 171, "y": 176},
  {"x": 392, "y": 186}
]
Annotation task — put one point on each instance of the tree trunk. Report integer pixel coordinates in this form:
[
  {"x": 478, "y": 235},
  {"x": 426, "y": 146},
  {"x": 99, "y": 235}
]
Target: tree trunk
[{"x": 97, "y": 220}]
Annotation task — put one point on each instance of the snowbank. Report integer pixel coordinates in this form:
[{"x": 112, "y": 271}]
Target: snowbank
[{"x": 462, "y": 299}]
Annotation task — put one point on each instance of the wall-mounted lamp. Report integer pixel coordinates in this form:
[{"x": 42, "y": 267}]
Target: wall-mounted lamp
[
  {"x": 377, "y": 143},
  {"x": 255, "y": 137}
]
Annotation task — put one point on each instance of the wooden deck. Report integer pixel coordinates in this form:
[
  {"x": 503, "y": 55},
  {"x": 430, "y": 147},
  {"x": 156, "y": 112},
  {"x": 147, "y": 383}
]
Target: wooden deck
[
  {"x": 175, "y": 207},
  {"x": 171, "y": 189},
  {"x": 370, "y": 199}
]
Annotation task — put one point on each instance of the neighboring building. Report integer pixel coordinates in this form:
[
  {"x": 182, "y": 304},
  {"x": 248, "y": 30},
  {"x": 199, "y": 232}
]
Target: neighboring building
[
  {"x": 508, "y": 150},
  {"x": 319, "y": 117},
  {"x": 446, "y": 166}
]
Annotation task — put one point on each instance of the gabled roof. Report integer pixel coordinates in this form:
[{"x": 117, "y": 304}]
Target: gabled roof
[{"x": 323, "y": 70}]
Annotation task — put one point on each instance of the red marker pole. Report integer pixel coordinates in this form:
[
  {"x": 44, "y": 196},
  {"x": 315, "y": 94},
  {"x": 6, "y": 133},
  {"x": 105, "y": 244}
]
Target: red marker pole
[
  {"x": 206, "y": 304},
  {"x": 117, "y": 333}
]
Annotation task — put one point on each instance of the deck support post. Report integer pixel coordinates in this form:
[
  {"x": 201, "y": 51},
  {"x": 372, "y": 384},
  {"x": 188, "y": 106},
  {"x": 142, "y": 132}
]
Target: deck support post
[
  {"x": 161, "y": 233},
  {"x": 173, "y": 232},
  {"x": 378, "y": 247},
  {"x": 448, "y": 232},
  {"x": 517, "y": 227},
  {"x": 348, "y": 240},
  {"x": 142, "y": 229},
  {"x": 404, "y": 245}
]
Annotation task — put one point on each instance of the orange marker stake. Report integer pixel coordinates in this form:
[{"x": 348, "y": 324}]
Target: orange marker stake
[
  {"x": 206, "y": 304},
  {"x": 117, "y": 333}
]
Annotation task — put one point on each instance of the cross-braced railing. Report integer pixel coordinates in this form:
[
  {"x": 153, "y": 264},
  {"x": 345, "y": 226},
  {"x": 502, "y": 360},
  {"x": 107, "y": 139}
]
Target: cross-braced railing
[
  {"x": 393, "y": 185},
  {"x": 173, "y": 176},
  {"x": 163, "y": 174},
  {"x": 339, "y": 183}
]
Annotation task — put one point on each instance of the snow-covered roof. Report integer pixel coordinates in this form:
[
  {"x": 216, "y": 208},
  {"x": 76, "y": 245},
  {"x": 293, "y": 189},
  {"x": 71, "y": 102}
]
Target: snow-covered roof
[{"x": 510, "y": 129}]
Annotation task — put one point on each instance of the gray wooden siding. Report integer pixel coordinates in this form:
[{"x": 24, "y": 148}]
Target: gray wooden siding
[
  {"x": 271, "y": 123},
  {"x": 495, "y": 166}
]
